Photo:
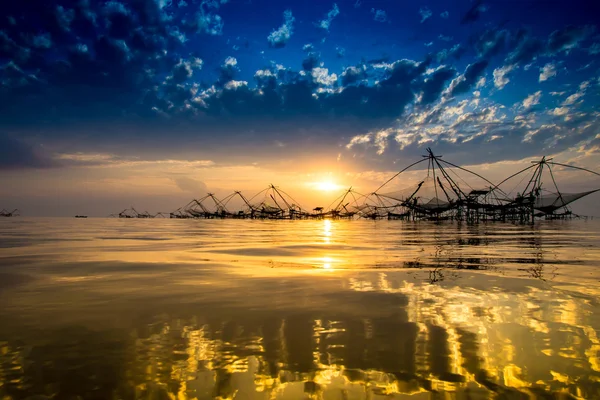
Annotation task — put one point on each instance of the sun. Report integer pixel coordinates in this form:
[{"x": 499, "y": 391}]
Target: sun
[{"x": 326, "y": 186}]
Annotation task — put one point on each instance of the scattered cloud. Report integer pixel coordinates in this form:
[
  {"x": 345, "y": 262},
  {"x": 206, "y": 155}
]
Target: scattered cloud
[
  {"x": 445, "y": 15},
  {"x": 532, "y": 99},
  {"x": 326, "y": 22},
  {"x": 474, "y": 13},
  {"x": 379, "y": 15},
  {"x": 280, "y": 36},
  {"x": 466, "y": 81},
  {"x": 425, "y": 13},
  {"x": 568, "y": 38},
  {"x": 547, "y": 71},
  {"x": 501, "y": 76}
]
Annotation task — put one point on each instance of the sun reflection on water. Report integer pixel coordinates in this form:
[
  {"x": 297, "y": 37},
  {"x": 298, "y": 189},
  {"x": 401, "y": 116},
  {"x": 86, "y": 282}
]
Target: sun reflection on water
[{"x": 219, "y": 314}]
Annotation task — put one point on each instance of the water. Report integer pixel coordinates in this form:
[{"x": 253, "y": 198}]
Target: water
[{"x": 165, "y": 309}]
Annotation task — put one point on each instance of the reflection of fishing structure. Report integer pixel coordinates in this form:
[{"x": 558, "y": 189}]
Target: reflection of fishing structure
[
  {"x": 395, "y": 338},
  {"x": 6, "y": 213},
  {"x": 447, "y": 192}
]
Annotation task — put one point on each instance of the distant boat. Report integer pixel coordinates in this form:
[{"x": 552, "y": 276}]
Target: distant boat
[{"x": 81, "y": 216}]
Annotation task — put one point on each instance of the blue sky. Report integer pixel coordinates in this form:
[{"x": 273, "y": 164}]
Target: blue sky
[{"x": 369, "y": 84}]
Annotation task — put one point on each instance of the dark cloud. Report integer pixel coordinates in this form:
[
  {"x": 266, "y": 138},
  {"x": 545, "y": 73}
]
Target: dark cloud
[
  {"x": 434, "y": 85},
  {"x": 466, "y": 81},
  {"x": 473, "y": 13},
  {"x": 491, "y": 42},
  {"x": 353, "y": 75},
  {"x": 527, "y": 48},
  {"x": 149, "y": 64},
  {"x": 17, "y": 154},
  {"x": 568, "y": 38},
  {"x": 311, "y": 61}
]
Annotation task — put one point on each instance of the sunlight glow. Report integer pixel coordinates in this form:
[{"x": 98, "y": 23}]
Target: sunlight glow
[{"x": 327, "y": 186}]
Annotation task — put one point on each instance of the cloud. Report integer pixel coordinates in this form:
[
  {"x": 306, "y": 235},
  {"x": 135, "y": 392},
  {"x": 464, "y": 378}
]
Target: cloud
[
  {"x": 568, "y": 38},
  {"x": 594, "y": 49},
  {"x": 42, "y": 41},
  {"x": 64, "y": 17},
  {"x": 280, "y": 36},
  {"x": 547, "y": 71},
  {"x": 353, "y": 75},
  {"x": 501, "y": 76},
  {"x": 207, "y": 21},
  {"x": 574, "y": 98},
  {"x": 425, "y": 13},
  {"x": 528, "y": 48},
  {"x": 379, "y": 15},
  {"x": 15, "y": 154},
  {"x": 491, "y": 42},
  {"x": 322, "y": 77},
  {"x": 190, "y": 185},
  {"x": 456, "y": 51},
  {"x": 532, "y": 99},
  {"x": 185, "y": 69},
  {"x": 326, "y": 22},
  {"x": 434, "y": 85},
  {"x": 474, "y": 13},
  {"x": 465, "y": 82},
  {"x": 445, "y": 15},
  {"x": 559, "y": 111},
  {"x": 310, "y": 61}
]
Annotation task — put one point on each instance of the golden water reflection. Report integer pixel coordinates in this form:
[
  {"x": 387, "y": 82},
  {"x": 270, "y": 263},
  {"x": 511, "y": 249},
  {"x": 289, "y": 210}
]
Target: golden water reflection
[
  {"x": 429, "y": 340},
  {"x": 276, "y": 316}
]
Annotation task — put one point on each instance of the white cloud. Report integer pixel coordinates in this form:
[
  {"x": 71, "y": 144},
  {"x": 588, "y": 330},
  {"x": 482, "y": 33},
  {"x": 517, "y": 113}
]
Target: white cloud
[
  {"x": 425, "y": 13},
  {"x": 532, "y": 99},
  {"x": 445, "y": 15},
  {"x": 230, "y": 62},
  {"x": 359, "y": 139},
  {"x": 594, "y": 49},
  {"x": 326, "y": 22},
  {"x": 280, "y": 36},
  {"x": 235, "y": 84},
  {"x": 480, "y": 83},
  {"x": 500, "y": 76},
  {"x": 547, "y": 71},
  {"x": 211, "y": 24},
  {"x": 572, "y": 99},
  {"x": 321, "y": 76},
  {"x": 559, "y": 111}
]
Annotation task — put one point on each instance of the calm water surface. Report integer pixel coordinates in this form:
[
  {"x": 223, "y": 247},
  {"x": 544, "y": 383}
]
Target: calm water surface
[{"x": 182, "y": 309}]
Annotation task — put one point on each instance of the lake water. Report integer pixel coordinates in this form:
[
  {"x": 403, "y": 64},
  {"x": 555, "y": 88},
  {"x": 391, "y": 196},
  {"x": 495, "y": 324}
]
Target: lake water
[{"x": 201, "y": 309}]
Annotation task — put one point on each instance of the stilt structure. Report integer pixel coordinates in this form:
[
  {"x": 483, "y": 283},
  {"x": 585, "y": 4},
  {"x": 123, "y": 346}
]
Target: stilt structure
[
  {"x": 437, "y": 197},
  {"x": 13, "y": 213},
  {"x": 447, "y": 192},
  {"x": 537, "y": 199}
]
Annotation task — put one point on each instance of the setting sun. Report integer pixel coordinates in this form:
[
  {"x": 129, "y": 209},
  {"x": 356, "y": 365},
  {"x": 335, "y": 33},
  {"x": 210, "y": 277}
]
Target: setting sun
[{"x": 327, "y": 186}]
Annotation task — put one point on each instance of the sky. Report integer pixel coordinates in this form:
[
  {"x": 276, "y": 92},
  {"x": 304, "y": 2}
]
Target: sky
[{"x": 150, "y": 103}]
